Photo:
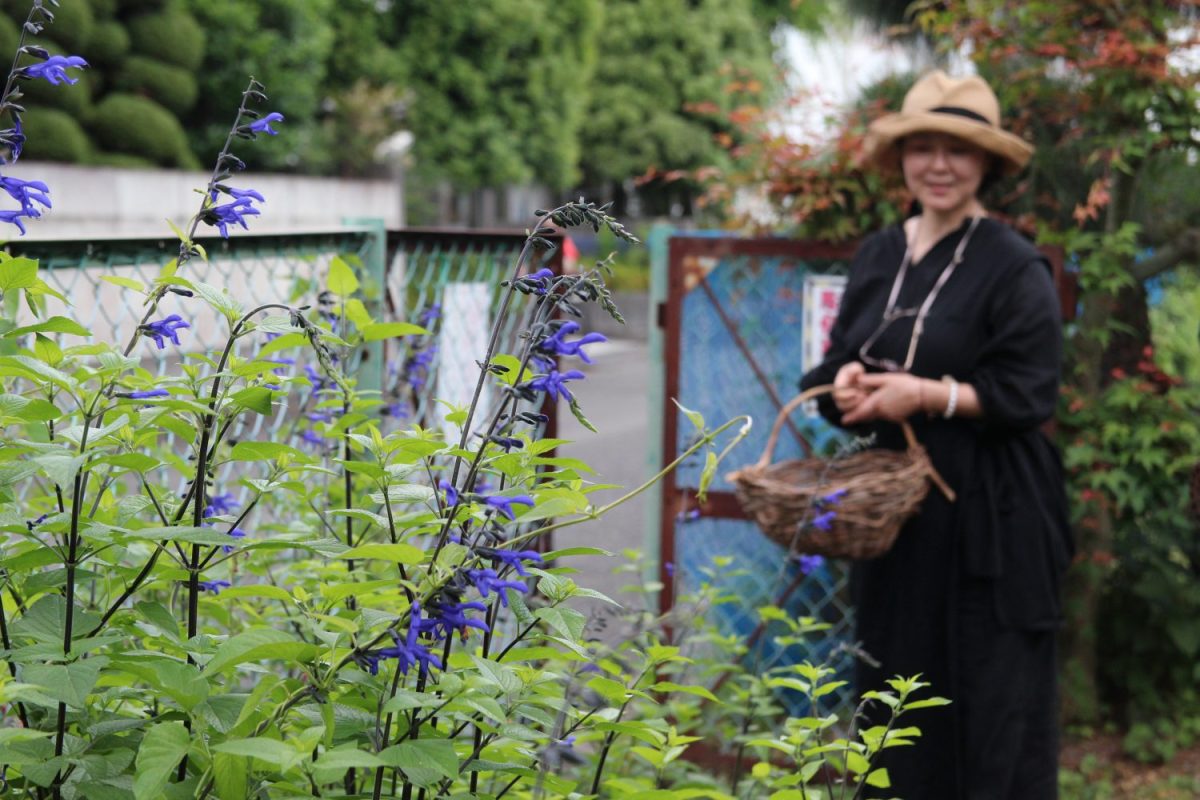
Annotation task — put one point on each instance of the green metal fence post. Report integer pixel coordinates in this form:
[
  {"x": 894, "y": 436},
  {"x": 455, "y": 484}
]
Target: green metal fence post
[{"x": 374, "y": 255}]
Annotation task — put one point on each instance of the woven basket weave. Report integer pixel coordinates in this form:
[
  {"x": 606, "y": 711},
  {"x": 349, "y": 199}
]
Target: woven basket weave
[{"x": 882, "y": 489}]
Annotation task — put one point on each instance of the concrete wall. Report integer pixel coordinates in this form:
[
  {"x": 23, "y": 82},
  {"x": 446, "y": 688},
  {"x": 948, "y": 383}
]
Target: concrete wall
[{"x": 104, "y": 201}]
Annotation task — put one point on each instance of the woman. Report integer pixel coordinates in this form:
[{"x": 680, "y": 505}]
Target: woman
[{"x": 951, "y": 322}]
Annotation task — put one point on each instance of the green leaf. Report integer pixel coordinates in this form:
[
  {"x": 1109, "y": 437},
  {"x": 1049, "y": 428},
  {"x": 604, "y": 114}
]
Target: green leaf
[
  {"x": 256, "y": 644},
  {"x": 60, "y": 469},
  {"x": 566, "y": 621},
  {"x": 387, "y": 330},
  {"x": 699, "y": 691},
  {"x": 696, "y": 418},
  {"x": 47, "y": 350},
  {"x": 347, "y": 757},
  {"x": 706, "y": 476},
  {"x": 357, "y": 313},
  {"x": 162, "y": 748},
  {"x": 578, "y": 412},
  {"x": 231, "y": 774},
  {"x": 341, "y": 280},
  {"x": 51, "y": 325},
  {"x": 879, "y": 779},
  {"x": 220, "y": 300},
  {"x": 264, "y": 451},
  {"x": 417, "y": 759},
  {"x": 66, "y": 683},
  {"x": 128, "y": 283},
  {"x": 280, "y": 755},
  {"x": 396, "y": 553},
  {"x": 255, "y": 398},
  {"x": 18, "y": 273}
]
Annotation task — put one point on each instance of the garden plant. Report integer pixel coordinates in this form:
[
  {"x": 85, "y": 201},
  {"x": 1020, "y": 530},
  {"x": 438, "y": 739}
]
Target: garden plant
[{"x": 365, "y": 609}]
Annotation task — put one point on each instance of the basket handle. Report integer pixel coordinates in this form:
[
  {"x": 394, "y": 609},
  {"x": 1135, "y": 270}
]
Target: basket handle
[{"x": 816, "y": 391}]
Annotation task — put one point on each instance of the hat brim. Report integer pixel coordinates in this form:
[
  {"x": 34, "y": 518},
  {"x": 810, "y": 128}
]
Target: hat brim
[{"x": 884, "y": 133}]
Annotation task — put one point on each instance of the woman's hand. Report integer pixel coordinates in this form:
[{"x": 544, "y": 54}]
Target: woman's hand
[
  {"x": 847, "y": 395},
  {"x": 891, "y": 396}
]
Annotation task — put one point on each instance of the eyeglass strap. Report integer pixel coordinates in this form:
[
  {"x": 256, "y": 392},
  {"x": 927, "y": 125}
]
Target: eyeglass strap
[{"x": 919, "y": 323}]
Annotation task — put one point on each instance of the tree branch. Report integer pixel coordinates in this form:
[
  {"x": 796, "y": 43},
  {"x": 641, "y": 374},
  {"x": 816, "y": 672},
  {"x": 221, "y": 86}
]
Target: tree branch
[{"x": 1185, "y": 247}]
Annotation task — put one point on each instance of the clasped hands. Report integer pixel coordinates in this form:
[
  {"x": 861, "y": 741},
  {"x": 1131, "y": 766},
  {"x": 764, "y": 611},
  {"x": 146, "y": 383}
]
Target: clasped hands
[{"x": 865, "y": 397}]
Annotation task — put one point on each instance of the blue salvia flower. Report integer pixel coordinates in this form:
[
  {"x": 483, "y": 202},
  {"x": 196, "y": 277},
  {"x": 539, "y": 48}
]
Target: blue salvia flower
[
  {"x": 554, "y": 384},
  {"x": 27, "y": 193},
  {"x": 507, "y": 442},
  {"x": 486, "y": 580},
  {"x": 314, "y": 377},
  {"x": 220, "y": 504},
  {"x": 416, "y": 369},
  {"x": 214, "y": 586},
  {"x": 808, "y": 564},
  {"x": 264, "y": 125},
  {"x": 312, "y": 437},
  {"x": 283, "y": 362},
  {"x": 234, "y": 213},
  {"x": 446, "y": 617},
  {"x": 54, "y": 69},
  {"x": 535, "y": 282},
  {"x": 504, "y": 504},
  {"x": 234, "y": 533},
  {"x": 397, "y": 410},
  {"x": 451, "y": 493},
  {"x": 319, "y": 416},
  {"x": 408, "y": 651},
  {"x": 556, "y": 345},
  {"x": 824, "y": 522},
  {"x": 430, "y": 315},
  {"x": 164, "y": 329},
  {"x": 512, "y": 558},
  {"x": 144, "y": 394},
  {"x": 831, "y": 499},
  {"x": 14, "y": 137}
]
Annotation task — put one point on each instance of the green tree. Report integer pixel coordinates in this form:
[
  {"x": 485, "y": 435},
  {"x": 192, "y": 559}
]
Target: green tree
[
  {"x": 671, "y": 72},
  {"x": 498, "y": 89},
  {"x": 285, "y": 44}
]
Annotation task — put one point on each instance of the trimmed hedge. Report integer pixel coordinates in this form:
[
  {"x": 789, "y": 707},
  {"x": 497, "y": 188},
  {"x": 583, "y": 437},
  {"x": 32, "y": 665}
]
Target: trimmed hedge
[
  {"x": 172, "y": 87},
  {"x": 53, "y": 135},
  {"x": 172, "y": 35},
  {"x": 122, "y": 160},
  {"x": 72, "y": 26},
  {"x": 109, "y": 45},
  {"x": 126, "y": 123}
]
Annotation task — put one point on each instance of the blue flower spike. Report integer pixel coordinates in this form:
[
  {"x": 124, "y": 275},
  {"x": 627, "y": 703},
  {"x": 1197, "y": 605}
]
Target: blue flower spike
[
  {"x": 487, "y": 580},
  {"x": 557, "y": 345},
  {"x": 554, "y": 384},
  {"x": 54, "y": 70},
  {"x": 164, "y": 329},
  {"x": 504, "y": 504},
  {"x": 264, "y": 125}
]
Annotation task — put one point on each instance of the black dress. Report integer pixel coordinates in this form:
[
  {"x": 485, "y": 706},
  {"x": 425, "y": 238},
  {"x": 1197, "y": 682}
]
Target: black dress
[{"x": 969, "y": 594}]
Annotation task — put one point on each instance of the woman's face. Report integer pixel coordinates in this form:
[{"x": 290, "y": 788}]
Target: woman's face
[{"x": 942, "y": 171}]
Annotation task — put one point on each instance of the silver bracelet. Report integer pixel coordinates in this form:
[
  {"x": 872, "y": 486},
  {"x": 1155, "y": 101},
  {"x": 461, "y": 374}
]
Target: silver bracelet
[{"x": 952, "y": 403}]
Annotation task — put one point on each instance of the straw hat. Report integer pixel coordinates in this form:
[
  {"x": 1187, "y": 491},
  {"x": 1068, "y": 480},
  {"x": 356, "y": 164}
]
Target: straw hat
[{"x": 963, "y": 107}]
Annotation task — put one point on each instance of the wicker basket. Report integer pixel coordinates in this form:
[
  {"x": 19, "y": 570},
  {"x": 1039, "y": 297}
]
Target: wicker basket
[{"x": 883, "y": 488}]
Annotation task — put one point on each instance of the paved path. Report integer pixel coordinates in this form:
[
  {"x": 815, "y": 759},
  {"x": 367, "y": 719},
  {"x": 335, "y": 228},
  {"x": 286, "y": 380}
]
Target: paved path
[{"x": 614, "y": 399}]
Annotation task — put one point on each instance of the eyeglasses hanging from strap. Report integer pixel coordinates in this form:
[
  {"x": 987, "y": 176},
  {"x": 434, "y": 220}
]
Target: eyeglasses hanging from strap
[{"x": 891, "y": 313}]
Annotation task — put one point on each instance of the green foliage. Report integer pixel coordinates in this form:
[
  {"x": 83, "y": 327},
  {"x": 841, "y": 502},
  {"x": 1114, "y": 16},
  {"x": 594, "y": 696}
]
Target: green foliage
[
  {"x": 125, "y": 123},
  {"x": 694, "y": 61},
  {"x": 171, "y": 35},
  {"x": 499, "y": 88},
  {"x": 172, "y": 87},
  {"x": 285, "y": 44},
  {"x": 54, "y": 135},
  {"x": 74, "y": 22},
  {"x": 109, "y": 44},
  {"x": 1176, "y": 325}
]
